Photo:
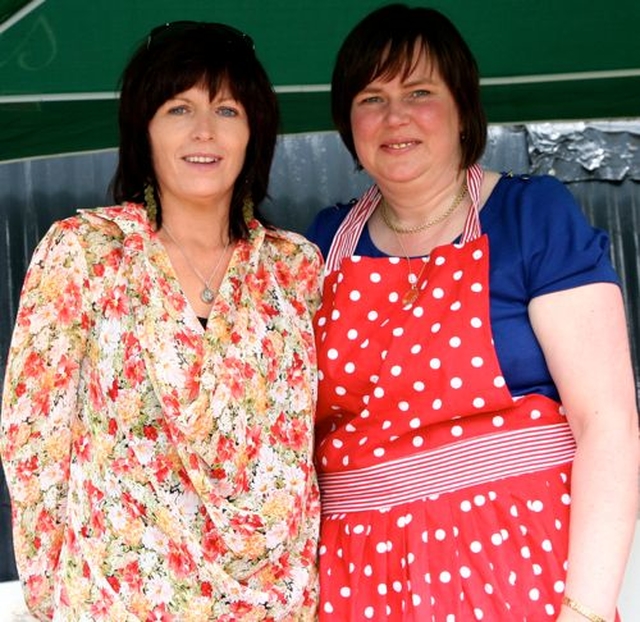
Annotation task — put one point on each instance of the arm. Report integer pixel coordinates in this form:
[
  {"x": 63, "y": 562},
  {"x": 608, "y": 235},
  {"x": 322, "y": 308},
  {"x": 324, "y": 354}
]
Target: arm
[
  {"x": 583, "y": 335},
  {"x": 37, "y": 410}
]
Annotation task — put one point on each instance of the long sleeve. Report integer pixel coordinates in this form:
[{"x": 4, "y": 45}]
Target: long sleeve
[{"x": 39, "y": 404}]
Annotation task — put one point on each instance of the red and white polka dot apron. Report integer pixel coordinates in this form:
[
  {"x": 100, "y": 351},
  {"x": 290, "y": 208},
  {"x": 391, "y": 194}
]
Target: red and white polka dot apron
[{"x": 444, "y": 498}]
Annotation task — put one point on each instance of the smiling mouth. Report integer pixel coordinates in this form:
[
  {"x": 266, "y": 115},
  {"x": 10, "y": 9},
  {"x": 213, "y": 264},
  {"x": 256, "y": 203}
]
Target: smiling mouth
[
  {"x": 399, "y": 146},
  {"x": 201, "y": 159}
]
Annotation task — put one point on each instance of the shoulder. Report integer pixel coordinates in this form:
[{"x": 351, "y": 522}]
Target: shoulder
[
  {"x": 284, "y": 244},
  {"x": 326, "y": 223}
]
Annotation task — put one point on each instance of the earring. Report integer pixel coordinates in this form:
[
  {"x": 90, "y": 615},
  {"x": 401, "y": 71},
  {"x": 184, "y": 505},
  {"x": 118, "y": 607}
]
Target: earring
[
  {"x": 150, "y": 204},
  {"x": 247, "y": 209}
]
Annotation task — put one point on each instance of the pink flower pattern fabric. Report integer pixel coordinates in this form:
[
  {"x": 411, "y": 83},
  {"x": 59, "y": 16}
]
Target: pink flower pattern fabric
[{"x": 157, "y": 470}]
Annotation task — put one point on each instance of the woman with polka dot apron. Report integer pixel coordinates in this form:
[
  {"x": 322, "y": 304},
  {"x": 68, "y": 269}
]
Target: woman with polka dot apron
[{"x": 476, "y": 431}]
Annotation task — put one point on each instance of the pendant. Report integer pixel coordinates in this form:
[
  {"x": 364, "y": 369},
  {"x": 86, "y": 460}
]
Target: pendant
[
  {"x": 410, "y": 296},
  {"x": 207, "y": 295}
]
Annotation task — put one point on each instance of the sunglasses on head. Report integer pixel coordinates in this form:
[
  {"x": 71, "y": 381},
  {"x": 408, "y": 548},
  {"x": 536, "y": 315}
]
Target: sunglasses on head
[{"x": 227, "y": 33}]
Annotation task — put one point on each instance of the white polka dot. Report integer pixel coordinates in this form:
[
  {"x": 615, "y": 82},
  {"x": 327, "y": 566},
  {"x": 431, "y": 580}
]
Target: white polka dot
[
  {"x": 465, "y": 572},
  {"x": 364, "y": 344},
  {"x": 476, "y": 287},
  {"x": 445, "y": 576},
  {"x": 345, "y": 592},
  {"x": 435, "y": 328},
  {"x": 466, "y": 506},
  {"x": 566, "y": 499},
  {"x": 455, "y": 342},
  {"x": 435, "y": 363},
  {"x": 535, "y": 506},
  {"x": 349, "y": 368},
  {"x": 403, "y": 406},
  {"x": 525, "y": 551},
  {"x": 378, "y": 452},
  {"x": 456, "y": 430},
  {"x": 440, "y": 260},
  {"x": 416, "y": 349},
  {"x": 536, "y": 414},
  {"x": 332, "y": 354},
  {"x": 440, "y": 534},
  {"x": 456, "y": 306},
  {"x": 394, "y": 297},
  {"x": 549, "y": 609},
  {"x": 477, "y": 254},
  {"x": 534, "y": 594},
  {"x": 546, "y": 546},
  {"x": 381, "y": 547},
  {"x": 386, "y": 425},
  {"x": 372, "y": 316},
  {"x": 478, "y": 613},
  {"x": 415, "y": 600},
  {"x": 558, "y": 587},
  {"x": 414, "y": 423},
  {"x": 476, "y": 322},
  {"x": 322, "y": 321},
  {"x": 337, "y": 443},
  {"x": 457, "y": 275},
  {"x": 398, "y": 332},
  {"x": 418, "y": 311},
  {"x": 537, "y": 569},
  {"x": 396, "y": 370},
  {"x": 418, "y": 386},
  {"x": 369, "y": 613},
  {"x": 358, "y": 529},
  {"x": 499, "y": 382},
  {"x": 475, "y": 546},
  {"x": 367, "y": 570},
  {"x": 365, "y": 413},
  {"x": 352, "y": 334},
  {"x": 375, "y": 277},
  {"x": 417, "y": 441},
  {"x": 328, "y": 607},
  {"x": 456, "y": 383},
  {"x": 378, "y": 392},
  {"x": 382, "y": 589},
  {"x": 438, "y": 293},
  {"x": 498, "y": 421},
  {"x": 436, "y": 404},
  {"x": 488, "y": 588},
  {"x": 479, "y": 500},
  {"x": 397, "y": 586},
  {"x": 478, "y": 402},
  {"x": 477, "y": 361},
  {"x": 496, "y": 539}
]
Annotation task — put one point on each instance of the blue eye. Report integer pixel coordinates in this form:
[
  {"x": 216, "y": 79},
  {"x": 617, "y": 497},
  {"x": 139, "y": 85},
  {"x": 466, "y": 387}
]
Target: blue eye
[
  {"x": 177, "y": 110},
  {"x": 417, "y": 94},
  {"x": 227, "y": 111}
]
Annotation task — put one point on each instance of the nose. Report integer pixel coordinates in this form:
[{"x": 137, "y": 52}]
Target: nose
[
  {"x": 203, "y": 126},
  {"x": 397, "y": 112}
]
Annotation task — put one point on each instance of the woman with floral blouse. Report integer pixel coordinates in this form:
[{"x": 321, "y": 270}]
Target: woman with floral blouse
[{"x": 158, "y": 404}]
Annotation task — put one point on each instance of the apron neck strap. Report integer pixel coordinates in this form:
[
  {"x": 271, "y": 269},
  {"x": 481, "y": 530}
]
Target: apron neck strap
[{"x": 348, "y": 234}]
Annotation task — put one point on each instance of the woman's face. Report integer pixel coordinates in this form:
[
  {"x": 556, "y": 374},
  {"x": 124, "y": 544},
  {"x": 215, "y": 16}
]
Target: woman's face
[
  {"x": 198, "y": 146},
  {"x": 406, "y": 128}
]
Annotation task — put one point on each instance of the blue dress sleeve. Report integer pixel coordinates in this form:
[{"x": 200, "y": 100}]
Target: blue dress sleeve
[{"x": 324, "y": 226}]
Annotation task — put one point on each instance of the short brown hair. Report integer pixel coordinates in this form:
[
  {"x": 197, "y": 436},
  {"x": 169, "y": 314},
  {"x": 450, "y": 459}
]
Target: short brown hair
[{"x": 382, "y": 44}]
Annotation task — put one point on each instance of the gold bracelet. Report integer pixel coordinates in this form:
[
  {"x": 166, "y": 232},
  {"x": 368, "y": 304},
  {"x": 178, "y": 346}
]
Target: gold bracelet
[{"x": 583, "y": 611}]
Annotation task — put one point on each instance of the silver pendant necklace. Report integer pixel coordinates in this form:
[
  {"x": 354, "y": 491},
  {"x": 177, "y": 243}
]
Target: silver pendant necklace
[{"x": 207, "y": 295}]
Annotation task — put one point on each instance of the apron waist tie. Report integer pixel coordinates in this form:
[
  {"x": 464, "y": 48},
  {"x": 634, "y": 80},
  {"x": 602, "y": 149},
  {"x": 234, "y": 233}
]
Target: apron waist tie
[{"x": 446, "y": 469}]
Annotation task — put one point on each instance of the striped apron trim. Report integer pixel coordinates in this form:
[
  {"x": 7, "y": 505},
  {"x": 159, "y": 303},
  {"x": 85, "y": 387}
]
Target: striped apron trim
[
  {"x": 446, "y": 469},
  {"x": 347, "y": 236}
]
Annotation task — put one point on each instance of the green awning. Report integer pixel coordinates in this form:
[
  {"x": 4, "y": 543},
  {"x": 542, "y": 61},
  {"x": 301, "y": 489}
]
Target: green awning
[{"x": 60, "y": 63}]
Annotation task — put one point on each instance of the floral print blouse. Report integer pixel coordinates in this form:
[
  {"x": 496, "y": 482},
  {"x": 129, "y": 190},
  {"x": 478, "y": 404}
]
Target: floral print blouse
[{"x": 158, "y": 470}]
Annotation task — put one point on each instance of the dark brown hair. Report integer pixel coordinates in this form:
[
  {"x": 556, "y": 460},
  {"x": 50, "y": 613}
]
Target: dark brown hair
[
  {"x": 174, "y": 58},
  {"x": 382, "y": 45}
]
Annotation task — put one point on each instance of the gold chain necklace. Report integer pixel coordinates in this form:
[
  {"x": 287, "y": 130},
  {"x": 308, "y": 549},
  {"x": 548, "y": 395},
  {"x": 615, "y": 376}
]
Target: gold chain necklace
[
  {"x": 207, "y": 295},
  {"x": 429, "y": 223}
]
